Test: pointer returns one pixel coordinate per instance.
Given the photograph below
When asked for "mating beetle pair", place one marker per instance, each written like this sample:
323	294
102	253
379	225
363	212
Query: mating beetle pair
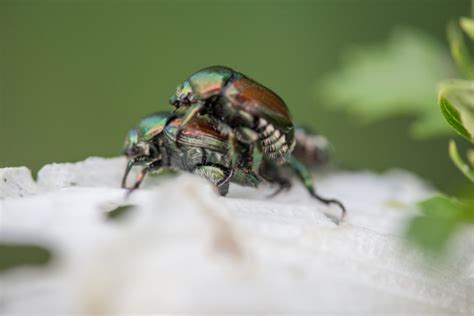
226	116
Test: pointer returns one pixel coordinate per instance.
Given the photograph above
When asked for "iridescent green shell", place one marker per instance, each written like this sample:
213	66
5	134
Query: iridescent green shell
131	139
152	125
209	81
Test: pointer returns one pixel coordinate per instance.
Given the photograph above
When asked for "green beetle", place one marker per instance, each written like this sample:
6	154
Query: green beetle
241	108
201	149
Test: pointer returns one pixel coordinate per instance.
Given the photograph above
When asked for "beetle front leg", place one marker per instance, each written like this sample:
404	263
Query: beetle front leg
153	166
226	130
139	179
246	135
190	113
127	171
232	149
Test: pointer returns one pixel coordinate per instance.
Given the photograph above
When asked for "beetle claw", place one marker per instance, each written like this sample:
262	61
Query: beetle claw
331	201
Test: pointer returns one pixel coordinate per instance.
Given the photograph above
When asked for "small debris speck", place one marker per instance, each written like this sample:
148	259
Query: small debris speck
118	212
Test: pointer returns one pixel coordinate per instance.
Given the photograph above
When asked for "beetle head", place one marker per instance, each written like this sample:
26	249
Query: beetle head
135	149
184	96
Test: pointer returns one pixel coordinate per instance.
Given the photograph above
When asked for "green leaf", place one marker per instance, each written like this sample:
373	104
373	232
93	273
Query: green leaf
470	157
452	116
430	233
393	78
467	24
467	170
459	50
442	206
456	100
17	254
441	216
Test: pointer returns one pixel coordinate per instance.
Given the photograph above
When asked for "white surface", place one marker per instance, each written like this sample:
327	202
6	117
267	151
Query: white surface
184	249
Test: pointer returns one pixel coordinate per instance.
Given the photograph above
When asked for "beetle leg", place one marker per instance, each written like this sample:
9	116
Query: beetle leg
227	176
127	171
216	175
246	178
272	174
192	111
226	130
138	180
282	186
153	166
247	118
246	135
305	176
232	149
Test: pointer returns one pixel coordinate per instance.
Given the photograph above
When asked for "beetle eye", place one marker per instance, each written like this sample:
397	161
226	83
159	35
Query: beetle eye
187	98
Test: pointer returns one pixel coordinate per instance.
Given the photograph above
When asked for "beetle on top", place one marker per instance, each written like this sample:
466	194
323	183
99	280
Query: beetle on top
242	109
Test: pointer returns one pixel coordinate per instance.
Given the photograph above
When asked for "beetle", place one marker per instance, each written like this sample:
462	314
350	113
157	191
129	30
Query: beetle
199	149
203	150
244	110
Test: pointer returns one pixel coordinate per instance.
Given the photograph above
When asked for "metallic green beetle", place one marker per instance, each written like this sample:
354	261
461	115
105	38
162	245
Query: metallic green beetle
203	150
199	149
241	108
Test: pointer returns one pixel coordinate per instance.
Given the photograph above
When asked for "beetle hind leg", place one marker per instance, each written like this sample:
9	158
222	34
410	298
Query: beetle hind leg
273	142
270	172
305	176
217	175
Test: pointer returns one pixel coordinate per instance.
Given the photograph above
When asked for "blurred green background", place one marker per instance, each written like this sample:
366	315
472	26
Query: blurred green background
75	75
